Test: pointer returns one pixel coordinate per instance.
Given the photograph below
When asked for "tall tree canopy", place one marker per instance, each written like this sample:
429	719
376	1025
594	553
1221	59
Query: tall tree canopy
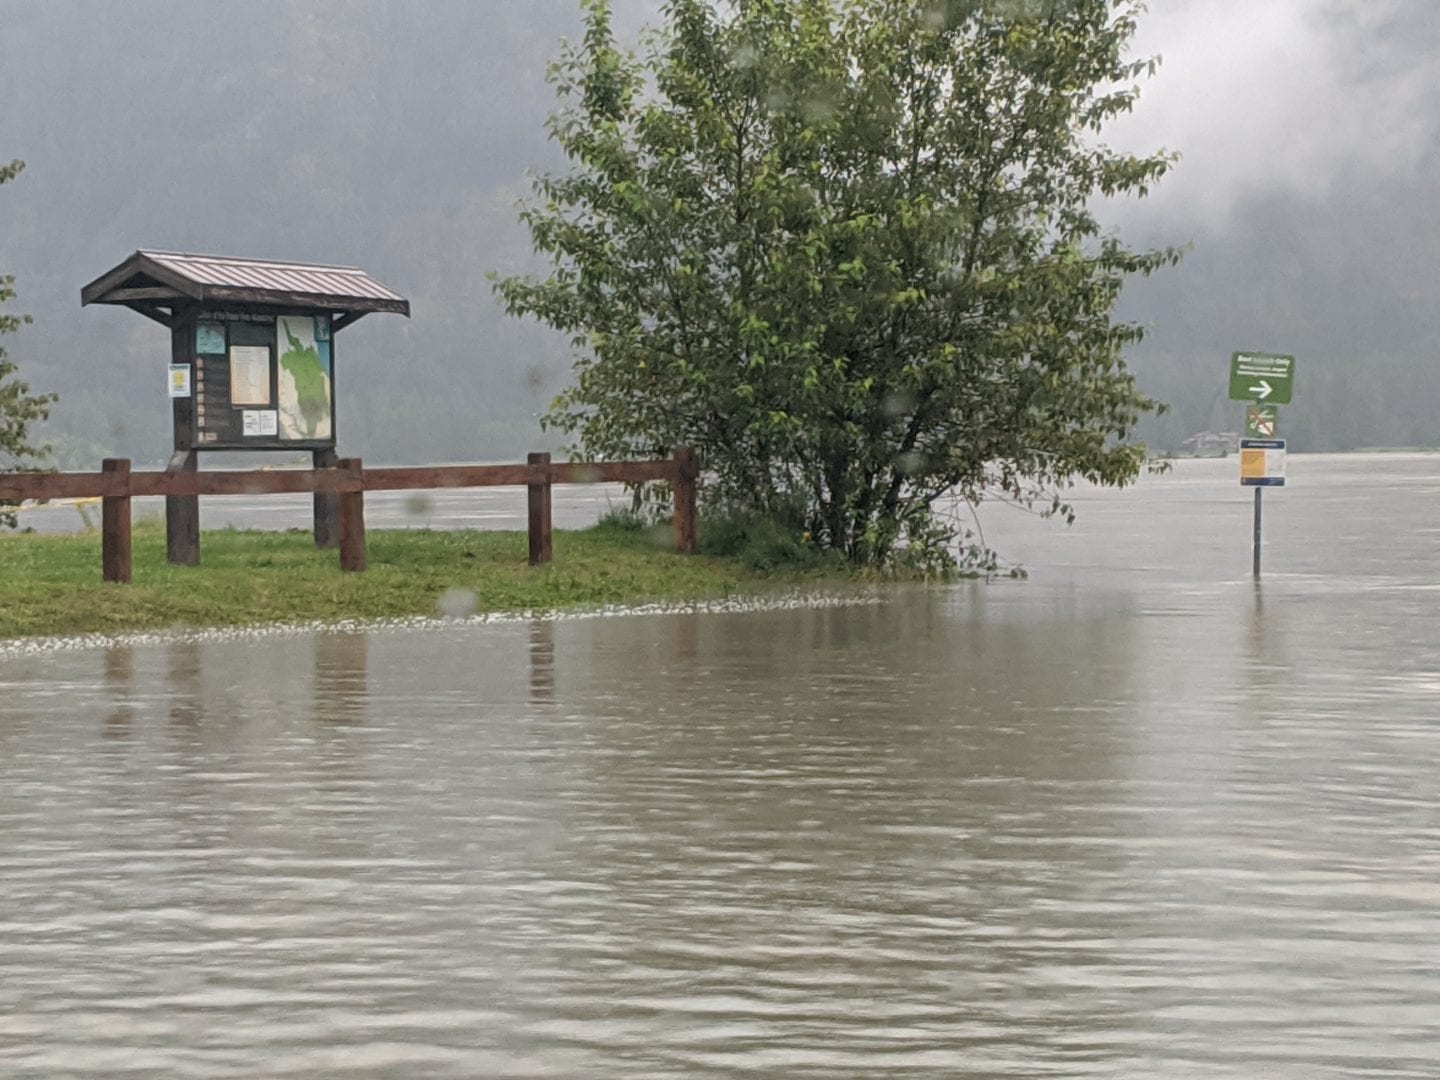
18	407
848	250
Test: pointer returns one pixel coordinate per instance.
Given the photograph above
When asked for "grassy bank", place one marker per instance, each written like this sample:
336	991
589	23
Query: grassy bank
51	584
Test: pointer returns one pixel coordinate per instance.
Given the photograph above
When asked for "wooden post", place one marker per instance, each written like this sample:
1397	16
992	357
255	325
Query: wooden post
182	512
327	504
352	518
182	515
687	471
115	523
539	487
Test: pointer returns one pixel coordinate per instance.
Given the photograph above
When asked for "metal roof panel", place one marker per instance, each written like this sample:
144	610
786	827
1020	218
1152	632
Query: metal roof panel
320	279
219	278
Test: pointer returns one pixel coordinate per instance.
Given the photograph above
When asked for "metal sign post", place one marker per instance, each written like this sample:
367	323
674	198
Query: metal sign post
1265	380
1256	558
1262	465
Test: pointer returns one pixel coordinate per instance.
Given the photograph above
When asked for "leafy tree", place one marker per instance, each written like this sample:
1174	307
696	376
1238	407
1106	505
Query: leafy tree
848	250
18	407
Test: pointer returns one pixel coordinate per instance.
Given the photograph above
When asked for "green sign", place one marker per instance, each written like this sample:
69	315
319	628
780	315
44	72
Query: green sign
1261	421
1267	377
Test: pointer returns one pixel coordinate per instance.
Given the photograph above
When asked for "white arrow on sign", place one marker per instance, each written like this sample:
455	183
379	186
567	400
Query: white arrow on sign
1262	391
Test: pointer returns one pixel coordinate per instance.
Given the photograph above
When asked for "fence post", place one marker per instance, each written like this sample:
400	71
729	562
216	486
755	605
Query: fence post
352	518
327	504
182	515
539	491
115	522
687	471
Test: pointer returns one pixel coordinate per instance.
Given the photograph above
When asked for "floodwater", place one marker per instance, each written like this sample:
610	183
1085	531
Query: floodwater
1132	817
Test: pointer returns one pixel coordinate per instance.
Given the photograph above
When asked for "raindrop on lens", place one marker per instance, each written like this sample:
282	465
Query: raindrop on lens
911	463
457	603
897	404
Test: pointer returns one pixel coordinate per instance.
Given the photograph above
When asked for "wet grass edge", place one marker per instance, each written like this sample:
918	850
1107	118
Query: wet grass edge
50	585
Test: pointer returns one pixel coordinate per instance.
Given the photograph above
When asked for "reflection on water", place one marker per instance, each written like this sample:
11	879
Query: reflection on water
542	662
1109	822
183	694
119	670
342	682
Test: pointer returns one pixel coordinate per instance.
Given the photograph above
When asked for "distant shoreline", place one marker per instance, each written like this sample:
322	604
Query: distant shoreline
1185	455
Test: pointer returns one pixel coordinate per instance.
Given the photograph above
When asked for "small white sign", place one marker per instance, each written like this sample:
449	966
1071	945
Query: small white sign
260	422
179	380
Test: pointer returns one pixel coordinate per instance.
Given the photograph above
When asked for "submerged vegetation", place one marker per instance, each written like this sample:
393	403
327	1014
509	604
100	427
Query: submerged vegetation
50	585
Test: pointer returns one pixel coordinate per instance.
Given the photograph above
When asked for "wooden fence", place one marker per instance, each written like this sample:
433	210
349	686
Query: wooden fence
115	485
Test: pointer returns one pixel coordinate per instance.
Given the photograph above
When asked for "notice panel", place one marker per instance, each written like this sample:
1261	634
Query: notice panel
1262	462
179	380
1261	421
259	422
249	375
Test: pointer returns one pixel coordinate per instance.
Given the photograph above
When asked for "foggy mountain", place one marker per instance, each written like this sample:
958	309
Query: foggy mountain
1309	133
374	133
396	137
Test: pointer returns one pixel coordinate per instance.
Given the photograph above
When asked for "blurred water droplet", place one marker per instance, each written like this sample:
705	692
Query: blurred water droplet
418	504
745	55
457	603
817	108
897	404
935	16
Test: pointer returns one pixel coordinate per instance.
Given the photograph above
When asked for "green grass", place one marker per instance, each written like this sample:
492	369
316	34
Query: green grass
50	585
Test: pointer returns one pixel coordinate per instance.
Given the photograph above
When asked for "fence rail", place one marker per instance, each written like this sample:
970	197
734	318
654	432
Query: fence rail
115	485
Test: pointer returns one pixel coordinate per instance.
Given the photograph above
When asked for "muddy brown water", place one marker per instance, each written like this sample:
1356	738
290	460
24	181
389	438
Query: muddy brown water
1131	817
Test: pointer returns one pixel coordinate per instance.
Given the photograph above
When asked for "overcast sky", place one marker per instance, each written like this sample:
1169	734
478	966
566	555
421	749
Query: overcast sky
1288	94
397	135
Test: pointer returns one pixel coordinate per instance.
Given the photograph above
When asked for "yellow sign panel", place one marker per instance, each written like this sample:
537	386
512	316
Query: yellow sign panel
179	380
1262	462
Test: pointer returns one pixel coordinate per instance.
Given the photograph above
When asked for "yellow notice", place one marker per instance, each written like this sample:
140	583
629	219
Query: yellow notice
1252	464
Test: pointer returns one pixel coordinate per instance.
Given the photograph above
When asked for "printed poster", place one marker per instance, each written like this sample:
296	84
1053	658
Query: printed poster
304	384
210	339
258	422
179	380
249	375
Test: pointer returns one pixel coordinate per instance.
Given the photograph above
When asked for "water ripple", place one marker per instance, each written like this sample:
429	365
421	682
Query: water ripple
967	832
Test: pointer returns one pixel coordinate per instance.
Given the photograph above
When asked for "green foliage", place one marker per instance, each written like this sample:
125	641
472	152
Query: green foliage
18	407
624	519
847	250
765	543
638	523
